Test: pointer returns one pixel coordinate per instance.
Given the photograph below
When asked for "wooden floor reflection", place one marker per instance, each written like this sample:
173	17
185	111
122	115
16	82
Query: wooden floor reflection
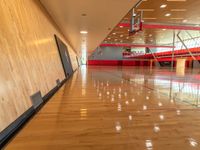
115	108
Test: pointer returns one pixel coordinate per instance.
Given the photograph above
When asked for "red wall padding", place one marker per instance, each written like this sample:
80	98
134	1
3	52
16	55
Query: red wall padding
168	53
126	63
147	56
129	63
118	63
104	62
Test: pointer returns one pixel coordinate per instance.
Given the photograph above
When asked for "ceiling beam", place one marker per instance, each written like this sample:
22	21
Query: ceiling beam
135	45
164	26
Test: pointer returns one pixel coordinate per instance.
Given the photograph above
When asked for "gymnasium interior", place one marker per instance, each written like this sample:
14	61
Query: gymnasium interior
100	75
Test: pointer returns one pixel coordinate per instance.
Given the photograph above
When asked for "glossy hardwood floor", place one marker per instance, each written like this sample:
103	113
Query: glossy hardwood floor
114	108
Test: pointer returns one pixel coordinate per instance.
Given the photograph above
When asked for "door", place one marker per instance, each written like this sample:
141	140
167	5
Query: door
65	59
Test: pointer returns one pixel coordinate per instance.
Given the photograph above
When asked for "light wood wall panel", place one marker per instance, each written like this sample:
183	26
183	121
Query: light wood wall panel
29	59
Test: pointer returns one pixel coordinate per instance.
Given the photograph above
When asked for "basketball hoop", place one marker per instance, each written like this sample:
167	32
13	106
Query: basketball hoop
136	22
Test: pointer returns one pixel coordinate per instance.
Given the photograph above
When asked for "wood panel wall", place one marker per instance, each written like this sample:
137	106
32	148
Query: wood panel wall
29	59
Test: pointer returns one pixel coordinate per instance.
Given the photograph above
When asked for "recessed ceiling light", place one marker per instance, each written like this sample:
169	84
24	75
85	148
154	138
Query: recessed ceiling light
134	14
121	35
145	9
149	144
168	14
185	20
121	26
178	10
163	29
149	18
177	18
83	32
163	6
114	33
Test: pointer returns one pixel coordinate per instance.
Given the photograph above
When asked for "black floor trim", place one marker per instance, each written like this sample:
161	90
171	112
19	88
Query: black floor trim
7	134
14	127
53	91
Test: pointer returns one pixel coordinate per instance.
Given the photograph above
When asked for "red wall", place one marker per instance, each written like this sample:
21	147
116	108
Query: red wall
125	63
147	56
118	63
168	54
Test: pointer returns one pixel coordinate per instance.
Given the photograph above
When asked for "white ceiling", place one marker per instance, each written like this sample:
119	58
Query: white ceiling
101	15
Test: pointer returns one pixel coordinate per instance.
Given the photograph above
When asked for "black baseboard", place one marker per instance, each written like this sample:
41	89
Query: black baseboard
14	127
7	134
53	91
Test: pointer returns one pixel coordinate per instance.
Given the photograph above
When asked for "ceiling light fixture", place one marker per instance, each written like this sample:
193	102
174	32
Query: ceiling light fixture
168	14
177	10
145	9
163	6
185	20
149	18
84	32
176	18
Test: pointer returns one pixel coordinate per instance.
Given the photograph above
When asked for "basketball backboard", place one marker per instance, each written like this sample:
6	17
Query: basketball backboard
136	22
